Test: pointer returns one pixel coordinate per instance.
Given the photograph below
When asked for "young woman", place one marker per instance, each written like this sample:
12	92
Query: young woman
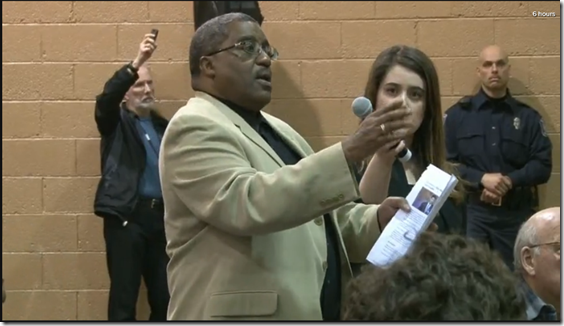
405	73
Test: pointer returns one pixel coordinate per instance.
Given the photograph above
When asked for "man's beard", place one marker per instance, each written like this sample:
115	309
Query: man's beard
147	104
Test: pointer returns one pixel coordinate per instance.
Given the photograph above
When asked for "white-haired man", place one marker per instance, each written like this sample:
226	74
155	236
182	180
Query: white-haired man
537	260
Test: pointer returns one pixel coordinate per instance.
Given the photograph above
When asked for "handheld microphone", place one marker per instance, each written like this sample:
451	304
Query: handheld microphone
362	107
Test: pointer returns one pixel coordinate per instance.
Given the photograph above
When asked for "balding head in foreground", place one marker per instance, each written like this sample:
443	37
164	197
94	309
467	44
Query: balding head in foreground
537	255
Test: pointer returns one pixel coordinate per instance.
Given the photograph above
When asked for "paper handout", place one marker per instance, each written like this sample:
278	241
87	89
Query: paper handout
426	199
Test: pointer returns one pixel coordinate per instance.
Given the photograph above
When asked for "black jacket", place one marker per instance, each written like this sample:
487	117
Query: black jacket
122	151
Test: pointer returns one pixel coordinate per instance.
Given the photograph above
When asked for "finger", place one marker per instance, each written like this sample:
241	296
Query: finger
400	147
496	192
398	203
502	188
388	108
149	41
395	129
400	113
152	44
506	182
393	137
148	48
390	145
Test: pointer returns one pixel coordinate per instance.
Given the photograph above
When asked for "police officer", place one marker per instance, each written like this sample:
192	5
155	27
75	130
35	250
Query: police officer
503	152
129	196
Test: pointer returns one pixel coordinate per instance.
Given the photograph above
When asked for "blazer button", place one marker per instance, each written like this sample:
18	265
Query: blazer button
318	221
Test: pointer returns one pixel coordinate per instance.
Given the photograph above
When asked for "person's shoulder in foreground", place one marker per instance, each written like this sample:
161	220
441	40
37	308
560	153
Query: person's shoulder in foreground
443	277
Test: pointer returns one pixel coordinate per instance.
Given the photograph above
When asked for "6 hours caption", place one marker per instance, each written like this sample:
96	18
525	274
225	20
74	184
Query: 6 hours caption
543	14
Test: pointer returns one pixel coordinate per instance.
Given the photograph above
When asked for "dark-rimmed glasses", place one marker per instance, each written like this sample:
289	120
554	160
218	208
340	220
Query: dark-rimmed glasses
251	48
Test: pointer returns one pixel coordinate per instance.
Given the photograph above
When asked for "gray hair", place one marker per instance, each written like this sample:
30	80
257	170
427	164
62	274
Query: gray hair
526	237
210	35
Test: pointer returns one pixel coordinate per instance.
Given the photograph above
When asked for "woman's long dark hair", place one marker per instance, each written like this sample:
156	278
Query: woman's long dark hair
429	139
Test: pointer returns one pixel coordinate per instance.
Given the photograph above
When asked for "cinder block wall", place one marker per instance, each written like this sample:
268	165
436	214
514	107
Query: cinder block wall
57	55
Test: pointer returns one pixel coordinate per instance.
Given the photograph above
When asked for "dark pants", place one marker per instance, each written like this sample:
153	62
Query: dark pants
496	226
134	251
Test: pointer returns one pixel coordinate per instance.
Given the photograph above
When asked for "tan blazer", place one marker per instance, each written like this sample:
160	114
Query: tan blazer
245	232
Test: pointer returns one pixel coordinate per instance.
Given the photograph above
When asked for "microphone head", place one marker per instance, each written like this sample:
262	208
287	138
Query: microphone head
361	107
405	155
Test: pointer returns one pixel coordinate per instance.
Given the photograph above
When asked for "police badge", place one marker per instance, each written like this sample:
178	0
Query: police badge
516	123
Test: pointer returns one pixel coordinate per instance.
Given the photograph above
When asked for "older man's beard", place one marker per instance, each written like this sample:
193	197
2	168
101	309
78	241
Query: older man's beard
147	104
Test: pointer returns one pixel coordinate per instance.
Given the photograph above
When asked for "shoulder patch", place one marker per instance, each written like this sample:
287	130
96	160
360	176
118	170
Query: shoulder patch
543	128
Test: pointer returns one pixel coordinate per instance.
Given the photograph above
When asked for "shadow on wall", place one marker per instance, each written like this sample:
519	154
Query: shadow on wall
289	105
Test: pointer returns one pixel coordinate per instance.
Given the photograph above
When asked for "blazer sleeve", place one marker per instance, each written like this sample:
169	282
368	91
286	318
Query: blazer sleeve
359	228
204	164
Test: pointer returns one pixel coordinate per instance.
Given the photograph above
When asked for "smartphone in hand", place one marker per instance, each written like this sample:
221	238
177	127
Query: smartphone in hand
155	32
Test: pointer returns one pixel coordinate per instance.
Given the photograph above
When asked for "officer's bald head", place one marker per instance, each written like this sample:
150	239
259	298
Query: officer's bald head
492	52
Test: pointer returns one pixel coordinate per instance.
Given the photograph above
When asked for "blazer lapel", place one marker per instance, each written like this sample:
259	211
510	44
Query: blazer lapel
247	130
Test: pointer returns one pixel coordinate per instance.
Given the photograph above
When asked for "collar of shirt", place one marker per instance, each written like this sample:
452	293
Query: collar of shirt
254	119
535	305
482	98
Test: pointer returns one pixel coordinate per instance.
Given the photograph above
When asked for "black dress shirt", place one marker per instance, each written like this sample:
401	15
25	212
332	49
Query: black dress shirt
331	292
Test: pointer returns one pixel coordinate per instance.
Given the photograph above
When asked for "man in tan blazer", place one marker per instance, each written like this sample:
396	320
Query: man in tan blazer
251	234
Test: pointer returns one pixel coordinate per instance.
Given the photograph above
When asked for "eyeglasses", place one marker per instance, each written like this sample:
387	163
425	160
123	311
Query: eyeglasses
554	245
253	49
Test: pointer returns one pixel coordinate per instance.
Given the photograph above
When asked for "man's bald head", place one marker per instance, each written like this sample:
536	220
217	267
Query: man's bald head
537	254
546	221
492	51
542	226
493	70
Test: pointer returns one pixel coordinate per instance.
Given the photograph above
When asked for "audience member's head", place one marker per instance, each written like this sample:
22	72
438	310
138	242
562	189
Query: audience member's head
537	255
230	58
443	277
402	69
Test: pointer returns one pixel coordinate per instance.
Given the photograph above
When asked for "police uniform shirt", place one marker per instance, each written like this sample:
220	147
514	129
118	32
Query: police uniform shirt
506	136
